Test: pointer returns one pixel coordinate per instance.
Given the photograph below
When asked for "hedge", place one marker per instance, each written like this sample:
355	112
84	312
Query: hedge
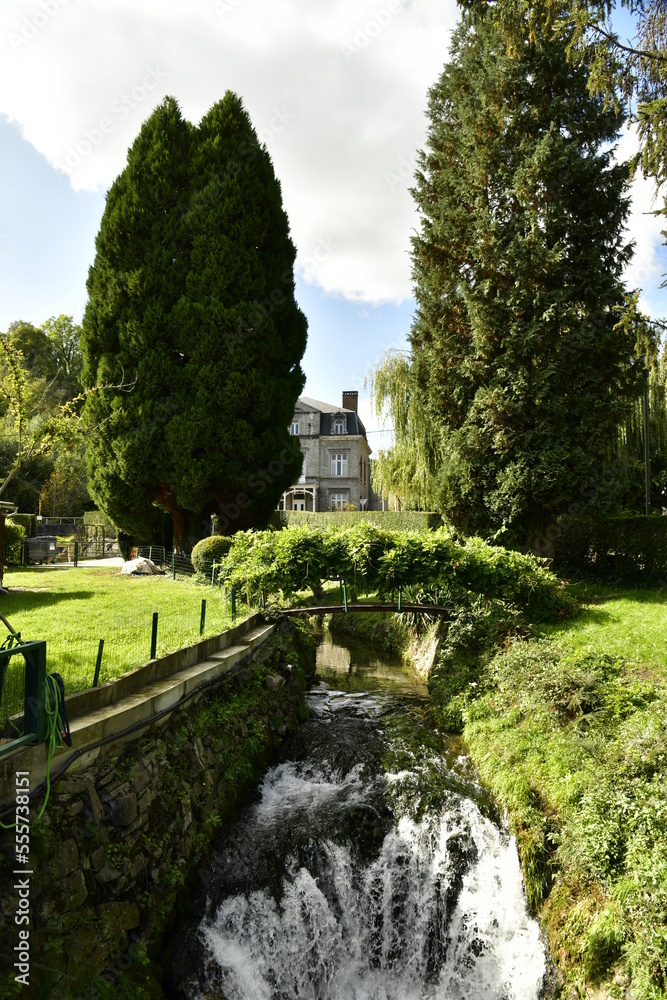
14	537
395	520
210	550
28	522
628	549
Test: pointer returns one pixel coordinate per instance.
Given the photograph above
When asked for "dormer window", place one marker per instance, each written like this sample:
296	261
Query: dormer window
338	426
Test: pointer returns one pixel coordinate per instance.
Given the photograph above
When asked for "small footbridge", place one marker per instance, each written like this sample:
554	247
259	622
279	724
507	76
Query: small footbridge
349	608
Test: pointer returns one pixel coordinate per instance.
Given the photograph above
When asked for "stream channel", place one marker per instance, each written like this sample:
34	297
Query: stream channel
370	866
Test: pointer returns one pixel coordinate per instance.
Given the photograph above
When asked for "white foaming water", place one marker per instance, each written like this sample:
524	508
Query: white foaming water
438	914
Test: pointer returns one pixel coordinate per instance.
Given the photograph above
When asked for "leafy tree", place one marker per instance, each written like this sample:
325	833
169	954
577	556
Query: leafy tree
191	299
36	350
65	492
40	395
65	338
406	469
517	352
633	73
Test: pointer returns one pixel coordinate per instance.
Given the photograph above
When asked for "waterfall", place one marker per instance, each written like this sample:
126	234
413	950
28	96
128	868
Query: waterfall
364	872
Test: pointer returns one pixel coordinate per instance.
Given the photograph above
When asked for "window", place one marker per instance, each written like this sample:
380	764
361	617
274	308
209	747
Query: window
339	425
294	427
339	465
338	501
361	470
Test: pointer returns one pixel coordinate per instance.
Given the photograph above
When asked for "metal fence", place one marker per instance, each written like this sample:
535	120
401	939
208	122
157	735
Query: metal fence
131	640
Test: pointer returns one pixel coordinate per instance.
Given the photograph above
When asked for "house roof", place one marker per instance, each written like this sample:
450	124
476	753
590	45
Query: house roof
354	422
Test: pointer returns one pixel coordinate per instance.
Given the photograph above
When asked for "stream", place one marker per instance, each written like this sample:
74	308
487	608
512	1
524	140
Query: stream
371	865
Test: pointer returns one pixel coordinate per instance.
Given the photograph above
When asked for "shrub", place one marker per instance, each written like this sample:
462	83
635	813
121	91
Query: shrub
14	537
28	521
208	551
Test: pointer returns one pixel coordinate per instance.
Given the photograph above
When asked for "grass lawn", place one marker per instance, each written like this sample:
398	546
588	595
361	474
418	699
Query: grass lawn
627	623
74	608
569	730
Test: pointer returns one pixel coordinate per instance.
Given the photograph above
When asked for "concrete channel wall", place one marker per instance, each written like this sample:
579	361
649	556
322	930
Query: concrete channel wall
125	831
100	712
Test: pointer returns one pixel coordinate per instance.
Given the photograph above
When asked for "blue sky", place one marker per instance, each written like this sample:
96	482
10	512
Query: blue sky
338	93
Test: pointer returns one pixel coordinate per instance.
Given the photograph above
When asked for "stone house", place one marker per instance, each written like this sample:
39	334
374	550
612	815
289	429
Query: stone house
336	462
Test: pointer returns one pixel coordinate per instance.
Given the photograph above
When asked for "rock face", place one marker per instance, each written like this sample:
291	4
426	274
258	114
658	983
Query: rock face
118	840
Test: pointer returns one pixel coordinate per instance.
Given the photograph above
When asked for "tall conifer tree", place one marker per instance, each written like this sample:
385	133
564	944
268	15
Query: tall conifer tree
517	271
191	308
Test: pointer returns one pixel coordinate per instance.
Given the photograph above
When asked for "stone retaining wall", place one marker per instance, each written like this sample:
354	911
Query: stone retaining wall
118	841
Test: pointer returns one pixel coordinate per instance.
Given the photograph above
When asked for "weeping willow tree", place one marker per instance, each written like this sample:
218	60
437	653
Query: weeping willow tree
627	456
406	469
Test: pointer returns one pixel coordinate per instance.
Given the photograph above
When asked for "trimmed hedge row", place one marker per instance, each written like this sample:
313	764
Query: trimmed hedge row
629	549
373	560
397	520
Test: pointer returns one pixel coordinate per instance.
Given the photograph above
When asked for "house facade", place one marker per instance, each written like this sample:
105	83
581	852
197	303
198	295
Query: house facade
336	457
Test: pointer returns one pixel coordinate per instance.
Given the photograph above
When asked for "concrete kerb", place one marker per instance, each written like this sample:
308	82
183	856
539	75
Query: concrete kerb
102	712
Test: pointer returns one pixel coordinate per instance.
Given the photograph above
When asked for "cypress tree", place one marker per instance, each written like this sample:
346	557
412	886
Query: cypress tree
192	330
517	267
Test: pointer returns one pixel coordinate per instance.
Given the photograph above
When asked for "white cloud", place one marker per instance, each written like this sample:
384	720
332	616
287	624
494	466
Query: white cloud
337	90
650	259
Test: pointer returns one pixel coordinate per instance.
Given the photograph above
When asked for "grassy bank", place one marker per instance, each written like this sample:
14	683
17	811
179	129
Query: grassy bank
568	728
74	608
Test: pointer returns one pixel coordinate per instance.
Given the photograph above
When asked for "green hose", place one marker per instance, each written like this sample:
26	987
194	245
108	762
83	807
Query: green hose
53	739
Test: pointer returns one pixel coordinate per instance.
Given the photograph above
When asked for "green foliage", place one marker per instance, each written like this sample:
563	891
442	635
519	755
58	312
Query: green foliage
38	410
399	520
208	551
469	639
629	549
630	72
28	523
373	560
192	318
517	353
407	469
574	745
98	518
14	537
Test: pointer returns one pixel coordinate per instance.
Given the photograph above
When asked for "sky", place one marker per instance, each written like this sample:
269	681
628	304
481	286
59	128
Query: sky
336	90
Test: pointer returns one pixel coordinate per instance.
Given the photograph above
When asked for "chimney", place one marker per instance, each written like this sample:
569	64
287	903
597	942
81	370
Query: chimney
350	400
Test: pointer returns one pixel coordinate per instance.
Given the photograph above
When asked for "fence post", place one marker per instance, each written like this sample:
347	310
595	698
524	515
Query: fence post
233	604
345	596
96	678
154	636
76	554
150	551
173	565
202	617
399	598
340	580
213	574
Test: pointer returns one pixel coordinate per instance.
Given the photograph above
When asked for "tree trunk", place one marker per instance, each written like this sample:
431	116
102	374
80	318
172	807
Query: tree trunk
543	535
